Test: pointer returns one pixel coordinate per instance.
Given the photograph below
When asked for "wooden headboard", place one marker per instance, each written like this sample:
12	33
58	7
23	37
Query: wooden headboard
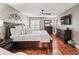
8	33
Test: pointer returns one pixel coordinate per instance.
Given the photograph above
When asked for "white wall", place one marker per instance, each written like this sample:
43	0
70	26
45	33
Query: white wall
75	22
5	11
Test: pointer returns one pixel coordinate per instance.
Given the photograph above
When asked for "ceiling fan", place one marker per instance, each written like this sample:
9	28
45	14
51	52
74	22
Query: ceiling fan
45	13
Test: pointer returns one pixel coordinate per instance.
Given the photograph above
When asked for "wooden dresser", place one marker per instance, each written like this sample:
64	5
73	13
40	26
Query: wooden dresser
64	35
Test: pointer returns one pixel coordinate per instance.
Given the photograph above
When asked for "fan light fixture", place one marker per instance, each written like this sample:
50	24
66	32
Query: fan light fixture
45	13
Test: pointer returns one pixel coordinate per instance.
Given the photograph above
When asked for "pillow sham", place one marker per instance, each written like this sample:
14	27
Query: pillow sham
12	30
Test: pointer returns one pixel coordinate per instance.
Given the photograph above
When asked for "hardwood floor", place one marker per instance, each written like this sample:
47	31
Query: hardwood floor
64	49
36	51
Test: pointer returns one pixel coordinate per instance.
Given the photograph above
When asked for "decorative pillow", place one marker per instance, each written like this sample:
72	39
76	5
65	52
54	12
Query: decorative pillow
23	29
12	31
29	31
18	30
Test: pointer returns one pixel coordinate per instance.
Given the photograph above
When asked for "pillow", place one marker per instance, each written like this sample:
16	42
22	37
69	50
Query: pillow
12	30
29	31
24	29
18	30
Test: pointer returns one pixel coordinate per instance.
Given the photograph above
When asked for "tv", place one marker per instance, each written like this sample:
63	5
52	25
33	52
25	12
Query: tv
66	20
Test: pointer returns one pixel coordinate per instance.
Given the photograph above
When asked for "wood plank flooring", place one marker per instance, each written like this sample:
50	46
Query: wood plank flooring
65	49
36	51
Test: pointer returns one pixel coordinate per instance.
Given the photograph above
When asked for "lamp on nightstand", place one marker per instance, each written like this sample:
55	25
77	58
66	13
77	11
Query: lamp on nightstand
1	22
2	29
52	24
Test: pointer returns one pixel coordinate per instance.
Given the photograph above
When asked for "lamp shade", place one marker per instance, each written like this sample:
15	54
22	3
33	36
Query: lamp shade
1	22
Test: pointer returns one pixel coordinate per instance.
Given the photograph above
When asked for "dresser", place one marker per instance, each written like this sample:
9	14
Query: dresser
64	35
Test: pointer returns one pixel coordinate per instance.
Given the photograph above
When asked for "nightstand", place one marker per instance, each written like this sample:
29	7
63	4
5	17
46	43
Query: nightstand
6	43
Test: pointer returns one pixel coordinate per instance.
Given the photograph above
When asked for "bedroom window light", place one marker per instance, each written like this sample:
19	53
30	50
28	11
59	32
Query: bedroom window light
1	22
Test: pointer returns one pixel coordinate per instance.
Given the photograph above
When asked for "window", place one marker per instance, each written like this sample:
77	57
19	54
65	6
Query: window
35	24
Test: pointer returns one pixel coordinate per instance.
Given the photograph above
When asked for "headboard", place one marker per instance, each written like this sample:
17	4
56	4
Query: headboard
8	33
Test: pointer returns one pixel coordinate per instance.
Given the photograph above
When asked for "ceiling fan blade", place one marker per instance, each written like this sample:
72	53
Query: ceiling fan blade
47	13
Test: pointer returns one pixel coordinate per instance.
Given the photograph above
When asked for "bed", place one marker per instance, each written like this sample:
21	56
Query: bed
37	39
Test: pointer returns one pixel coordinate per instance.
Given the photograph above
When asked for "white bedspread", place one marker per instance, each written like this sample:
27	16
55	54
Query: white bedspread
41	36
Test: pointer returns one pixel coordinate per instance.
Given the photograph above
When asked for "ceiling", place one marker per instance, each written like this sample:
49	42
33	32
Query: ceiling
34	9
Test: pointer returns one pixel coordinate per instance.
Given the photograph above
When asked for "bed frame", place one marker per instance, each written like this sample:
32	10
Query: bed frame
32	44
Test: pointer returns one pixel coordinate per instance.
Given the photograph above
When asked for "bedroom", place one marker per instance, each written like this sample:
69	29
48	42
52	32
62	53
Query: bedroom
29	30
20	33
